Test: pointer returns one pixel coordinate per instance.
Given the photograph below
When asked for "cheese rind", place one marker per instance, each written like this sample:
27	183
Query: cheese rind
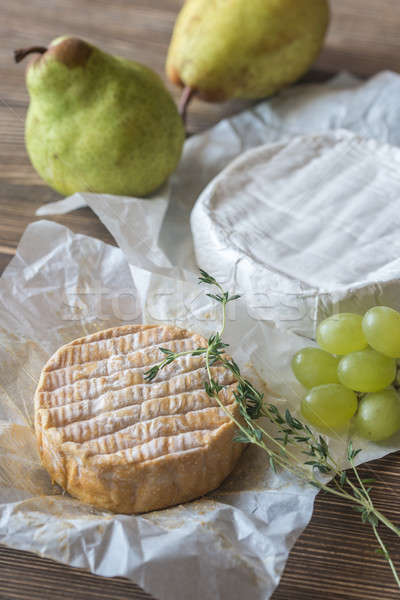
114	440
304	228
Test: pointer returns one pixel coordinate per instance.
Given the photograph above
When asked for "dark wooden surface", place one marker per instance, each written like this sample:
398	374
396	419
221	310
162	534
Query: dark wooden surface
334	557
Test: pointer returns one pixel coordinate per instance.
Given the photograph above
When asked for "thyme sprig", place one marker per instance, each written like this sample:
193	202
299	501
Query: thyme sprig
290	433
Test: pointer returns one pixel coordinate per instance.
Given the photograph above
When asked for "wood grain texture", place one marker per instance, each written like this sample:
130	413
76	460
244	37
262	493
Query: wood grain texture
334	557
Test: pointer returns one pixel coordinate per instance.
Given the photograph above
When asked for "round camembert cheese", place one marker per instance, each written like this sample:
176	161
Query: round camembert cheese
116	441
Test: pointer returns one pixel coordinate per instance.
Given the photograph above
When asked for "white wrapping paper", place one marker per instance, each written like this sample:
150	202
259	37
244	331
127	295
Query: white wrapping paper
234	542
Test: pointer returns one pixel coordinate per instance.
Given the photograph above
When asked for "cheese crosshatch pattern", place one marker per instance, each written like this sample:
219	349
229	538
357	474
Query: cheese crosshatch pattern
116	441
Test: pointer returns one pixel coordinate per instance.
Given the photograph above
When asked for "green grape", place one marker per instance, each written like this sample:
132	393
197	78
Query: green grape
366	371
329	406
341	334
313	366
381	327
378	416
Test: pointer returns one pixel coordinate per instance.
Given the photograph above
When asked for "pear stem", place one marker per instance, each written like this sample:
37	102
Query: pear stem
22	52
187	95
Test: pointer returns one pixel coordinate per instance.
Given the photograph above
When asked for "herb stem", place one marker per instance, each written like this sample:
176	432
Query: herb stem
386	522
386	555
224	301
186	352
361	484
221	404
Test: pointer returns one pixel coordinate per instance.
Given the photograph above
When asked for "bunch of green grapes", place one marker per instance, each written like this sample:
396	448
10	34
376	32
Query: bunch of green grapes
354	373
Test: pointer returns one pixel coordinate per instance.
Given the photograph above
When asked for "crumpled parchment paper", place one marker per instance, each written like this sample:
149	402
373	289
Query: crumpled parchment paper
234	542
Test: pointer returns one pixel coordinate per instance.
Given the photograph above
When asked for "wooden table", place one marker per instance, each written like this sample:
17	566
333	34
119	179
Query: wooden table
334	557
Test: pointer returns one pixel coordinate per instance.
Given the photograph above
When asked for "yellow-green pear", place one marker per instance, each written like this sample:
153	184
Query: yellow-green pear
223	49
97	122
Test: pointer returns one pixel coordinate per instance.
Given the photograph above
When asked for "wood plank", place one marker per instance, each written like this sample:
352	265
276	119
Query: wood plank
363	37
24	575
17	214
5	258
334	556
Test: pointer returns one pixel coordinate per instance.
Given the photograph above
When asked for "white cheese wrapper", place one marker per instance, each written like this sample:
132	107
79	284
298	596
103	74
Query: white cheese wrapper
233	543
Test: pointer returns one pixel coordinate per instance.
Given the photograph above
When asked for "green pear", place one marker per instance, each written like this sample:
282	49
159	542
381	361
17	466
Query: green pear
97	122
223	49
